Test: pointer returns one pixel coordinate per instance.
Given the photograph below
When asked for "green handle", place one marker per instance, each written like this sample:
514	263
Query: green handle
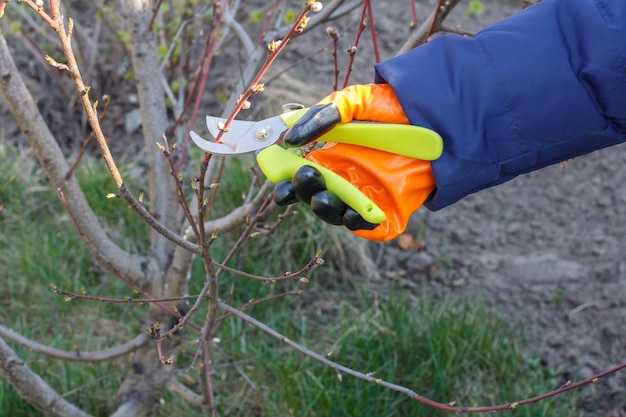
408	140
279	164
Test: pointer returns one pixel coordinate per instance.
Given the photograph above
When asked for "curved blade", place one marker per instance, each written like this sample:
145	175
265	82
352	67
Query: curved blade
212	147
241	137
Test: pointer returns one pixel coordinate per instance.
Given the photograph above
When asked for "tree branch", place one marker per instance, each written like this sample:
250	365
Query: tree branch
146	67
185	393
32	388
428	27
50	157
237	217
77	356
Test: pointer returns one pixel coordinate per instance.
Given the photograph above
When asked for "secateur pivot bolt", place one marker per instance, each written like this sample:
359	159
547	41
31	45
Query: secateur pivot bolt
263	133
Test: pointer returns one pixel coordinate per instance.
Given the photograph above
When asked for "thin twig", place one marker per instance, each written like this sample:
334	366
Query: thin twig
300	61
370	18
42	13
215	26
178	181
243	36
245	235
255	87
185	393
120	274
414	21
404	390
430	26
332	32
439	7
362	23
256	302
127	300
209	383
316	261
155	12
267	21
455	31
107	101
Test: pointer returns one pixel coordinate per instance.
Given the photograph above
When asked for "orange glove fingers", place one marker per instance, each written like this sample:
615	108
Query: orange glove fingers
397	184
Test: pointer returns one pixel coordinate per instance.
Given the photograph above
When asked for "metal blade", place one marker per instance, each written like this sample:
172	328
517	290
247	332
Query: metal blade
244	136
237	128
212	147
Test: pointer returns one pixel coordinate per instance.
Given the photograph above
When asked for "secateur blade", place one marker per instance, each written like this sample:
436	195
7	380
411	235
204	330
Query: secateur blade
213	147
236	129
241	137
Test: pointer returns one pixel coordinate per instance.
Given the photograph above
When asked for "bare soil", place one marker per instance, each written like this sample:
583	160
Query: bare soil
547	248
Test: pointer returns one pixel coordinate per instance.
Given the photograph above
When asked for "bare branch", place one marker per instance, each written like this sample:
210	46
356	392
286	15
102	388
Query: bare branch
237	217
77	356
333	10
428	27
131	408
407	391
32	388
185	393
239	30
146	67
49	155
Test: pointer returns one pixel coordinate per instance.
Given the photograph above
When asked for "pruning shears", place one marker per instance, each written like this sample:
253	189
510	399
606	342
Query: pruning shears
279	164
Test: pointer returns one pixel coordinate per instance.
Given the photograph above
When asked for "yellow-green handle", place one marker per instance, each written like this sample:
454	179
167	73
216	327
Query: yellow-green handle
279	164
408	140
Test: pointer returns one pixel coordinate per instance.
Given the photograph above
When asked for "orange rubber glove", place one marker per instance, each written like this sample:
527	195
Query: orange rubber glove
397	184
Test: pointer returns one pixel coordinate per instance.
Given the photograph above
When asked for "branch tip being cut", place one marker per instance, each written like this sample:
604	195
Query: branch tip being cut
3	4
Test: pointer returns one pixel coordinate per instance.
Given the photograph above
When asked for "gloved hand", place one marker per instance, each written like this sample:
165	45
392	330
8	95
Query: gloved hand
397	184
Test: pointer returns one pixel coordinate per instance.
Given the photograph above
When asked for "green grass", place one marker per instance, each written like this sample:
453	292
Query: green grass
39	246
447	350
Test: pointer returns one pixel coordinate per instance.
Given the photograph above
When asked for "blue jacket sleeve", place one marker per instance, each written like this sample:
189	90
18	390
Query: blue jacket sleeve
537	88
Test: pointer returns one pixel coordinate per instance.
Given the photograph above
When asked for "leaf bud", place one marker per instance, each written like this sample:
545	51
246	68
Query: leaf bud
302	25
222	126
332	32
314	6
258	88
273	45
